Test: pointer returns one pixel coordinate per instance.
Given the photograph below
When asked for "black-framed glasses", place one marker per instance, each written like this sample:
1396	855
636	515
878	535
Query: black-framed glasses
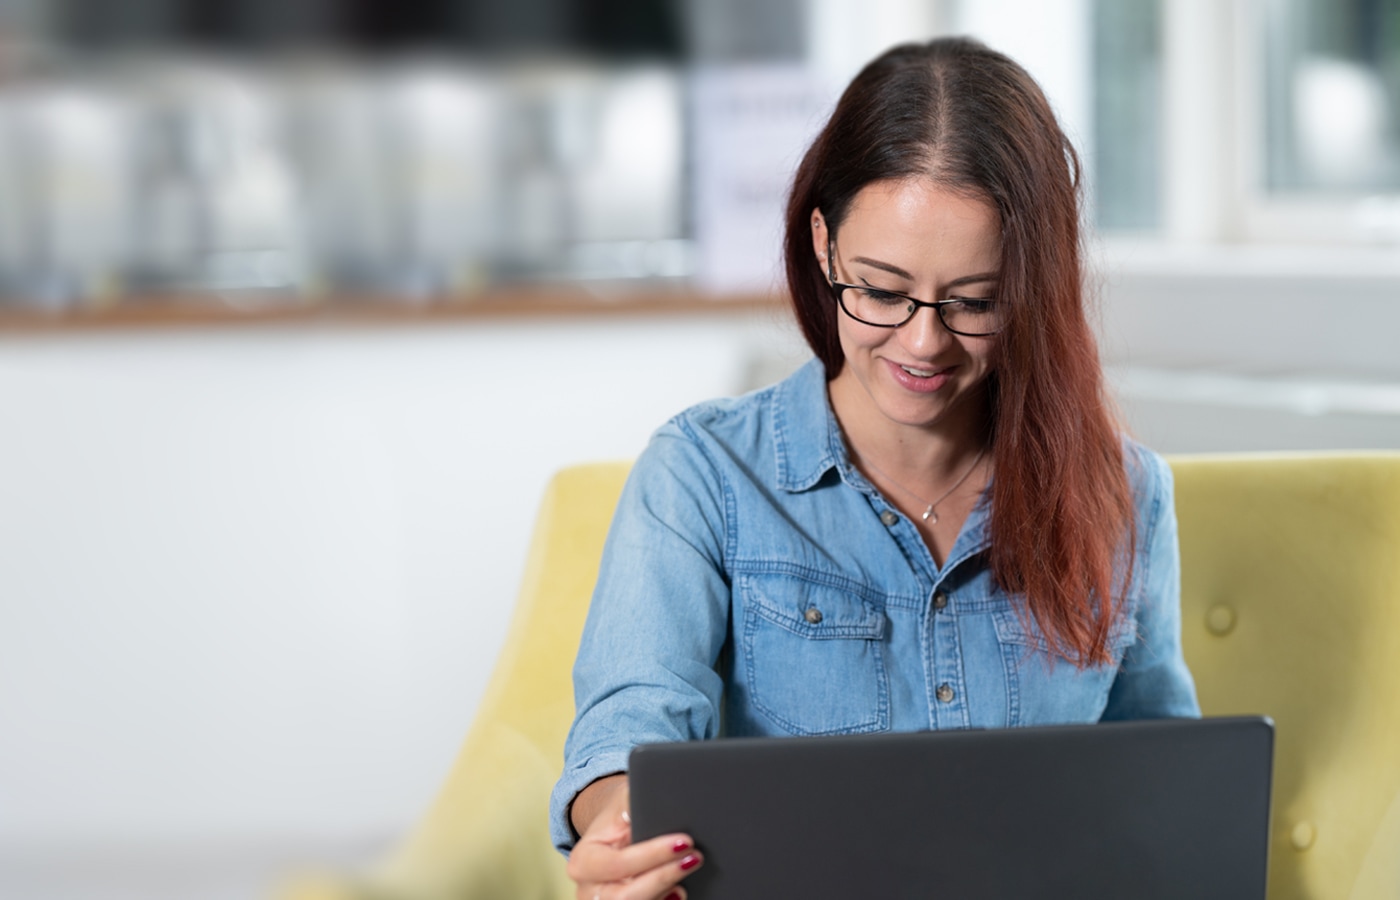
967	316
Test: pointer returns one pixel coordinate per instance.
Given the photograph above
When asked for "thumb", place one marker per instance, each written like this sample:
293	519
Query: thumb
617	831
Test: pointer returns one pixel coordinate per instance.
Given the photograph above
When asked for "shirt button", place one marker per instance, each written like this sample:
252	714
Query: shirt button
812	615
889	517
940	600
944	693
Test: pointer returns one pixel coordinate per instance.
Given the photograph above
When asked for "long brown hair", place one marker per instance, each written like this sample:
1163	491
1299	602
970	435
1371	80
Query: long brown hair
973	120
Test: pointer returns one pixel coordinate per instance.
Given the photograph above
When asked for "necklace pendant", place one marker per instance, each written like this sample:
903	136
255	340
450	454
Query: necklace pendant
929	517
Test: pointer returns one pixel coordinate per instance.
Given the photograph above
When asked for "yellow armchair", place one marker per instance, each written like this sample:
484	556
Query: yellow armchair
1291	605
1291	608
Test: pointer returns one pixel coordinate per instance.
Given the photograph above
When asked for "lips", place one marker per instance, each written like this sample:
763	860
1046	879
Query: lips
919	379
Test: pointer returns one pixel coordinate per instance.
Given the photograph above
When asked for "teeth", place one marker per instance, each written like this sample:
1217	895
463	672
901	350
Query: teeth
920	373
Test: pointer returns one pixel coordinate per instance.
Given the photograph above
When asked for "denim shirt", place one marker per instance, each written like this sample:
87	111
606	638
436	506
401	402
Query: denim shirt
755	583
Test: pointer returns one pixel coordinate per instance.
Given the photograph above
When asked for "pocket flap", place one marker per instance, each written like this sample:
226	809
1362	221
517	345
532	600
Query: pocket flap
1012	630
813	610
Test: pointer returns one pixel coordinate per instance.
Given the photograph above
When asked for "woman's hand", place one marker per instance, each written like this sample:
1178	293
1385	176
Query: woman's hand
606	865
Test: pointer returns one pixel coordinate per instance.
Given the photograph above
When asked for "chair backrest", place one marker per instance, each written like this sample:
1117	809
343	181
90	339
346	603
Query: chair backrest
1291	609
487	836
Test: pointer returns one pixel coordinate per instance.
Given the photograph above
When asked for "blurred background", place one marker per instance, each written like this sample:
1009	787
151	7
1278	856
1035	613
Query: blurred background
301	302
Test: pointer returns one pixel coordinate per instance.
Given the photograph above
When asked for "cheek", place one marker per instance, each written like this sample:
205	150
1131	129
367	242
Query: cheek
993	354
848	341
987	353
855	338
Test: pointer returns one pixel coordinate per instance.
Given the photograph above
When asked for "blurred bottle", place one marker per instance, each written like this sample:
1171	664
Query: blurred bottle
400	175
187	177
217	210
595	169
65	195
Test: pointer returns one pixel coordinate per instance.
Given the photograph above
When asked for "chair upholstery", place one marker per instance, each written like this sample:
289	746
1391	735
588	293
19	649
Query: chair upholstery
1291	605
1291	608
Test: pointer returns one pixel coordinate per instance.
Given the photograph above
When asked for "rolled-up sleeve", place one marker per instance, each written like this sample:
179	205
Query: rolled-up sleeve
1154	681
658	619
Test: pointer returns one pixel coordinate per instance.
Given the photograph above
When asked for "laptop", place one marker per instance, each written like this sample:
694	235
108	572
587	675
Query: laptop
1167	808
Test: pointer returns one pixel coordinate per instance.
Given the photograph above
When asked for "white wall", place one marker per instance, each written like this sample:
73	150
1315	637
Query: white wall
254	579
1219	348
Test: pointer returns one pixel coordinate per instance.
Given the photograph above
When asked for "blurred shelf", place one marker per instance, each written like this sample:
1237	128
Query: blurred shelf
584	301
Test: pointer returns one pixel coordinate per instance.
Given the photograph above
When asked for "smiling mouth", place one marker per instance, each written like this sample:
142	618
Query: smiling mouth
920	373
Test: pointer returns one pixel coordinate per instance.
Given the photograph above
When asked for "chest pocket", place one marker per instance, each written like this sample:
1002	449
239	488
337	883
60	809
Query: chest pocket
813	656
1041	688
1013	632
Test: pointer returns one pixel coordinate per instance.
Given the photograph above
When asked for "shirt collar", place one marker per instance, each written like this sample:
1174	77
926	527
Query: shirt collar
806	439
807	443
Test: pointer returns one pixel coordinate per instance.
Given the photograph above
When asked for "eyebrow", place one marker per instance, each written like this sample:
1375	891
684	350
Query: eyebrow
883	266
897	271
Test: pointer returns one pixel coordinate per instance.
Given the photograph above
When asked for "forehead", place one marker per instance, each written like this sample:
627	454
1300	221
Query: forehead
917	217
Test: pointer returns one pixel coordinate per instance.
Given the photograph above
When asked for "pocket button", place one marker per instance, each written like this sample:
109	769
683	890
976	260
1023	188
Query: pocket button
812	615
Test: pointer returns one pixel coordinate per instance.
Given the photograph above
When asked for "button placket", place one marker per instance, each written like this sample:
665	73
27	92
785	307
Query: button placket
945	677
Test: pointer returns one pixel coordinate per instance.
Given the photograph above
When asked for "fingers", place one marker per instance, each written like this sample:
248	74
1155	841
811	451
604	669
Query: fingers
616	831
676	893
606	865
646	871
660	882
602	861
656	884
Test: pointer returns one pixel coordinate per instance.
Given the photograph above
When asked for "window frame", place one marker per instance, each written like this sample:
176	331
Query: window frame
1214	179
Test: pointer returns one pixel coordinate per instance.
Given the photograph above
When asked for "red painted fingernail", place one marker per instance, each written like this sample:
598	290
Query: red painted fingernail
690	862
680	847
674	895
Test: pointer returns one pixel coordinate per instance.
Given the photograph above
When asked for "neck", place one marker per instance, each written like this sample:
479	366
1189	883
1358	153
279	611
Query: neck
927	453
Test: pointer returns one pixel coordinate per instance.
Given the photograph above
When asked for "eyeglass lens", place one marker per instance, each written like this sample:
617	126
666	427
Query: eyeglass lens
965	316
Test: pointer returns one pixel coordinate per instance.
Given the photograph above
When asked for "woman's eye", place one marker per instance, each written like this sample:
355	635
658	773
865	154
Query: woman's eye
883	297
974	305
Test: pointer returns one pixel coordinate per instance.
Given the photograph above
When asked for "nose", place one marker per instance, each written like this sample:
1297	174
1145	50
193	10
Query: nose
925	335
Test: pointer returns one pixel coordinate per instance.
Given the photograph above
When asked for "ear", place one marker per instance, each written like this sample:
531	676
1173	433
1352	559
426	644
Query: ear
820	238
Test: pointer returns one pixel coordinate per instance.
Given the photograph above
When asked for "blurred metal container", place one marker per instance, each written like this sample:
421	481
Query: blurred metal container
189	176
400	174
66	200
595	169
217	207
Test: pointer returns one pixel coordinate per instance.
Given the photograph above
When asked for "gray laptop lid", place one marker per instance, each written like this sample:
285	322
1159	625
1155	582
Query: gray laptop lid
1171	808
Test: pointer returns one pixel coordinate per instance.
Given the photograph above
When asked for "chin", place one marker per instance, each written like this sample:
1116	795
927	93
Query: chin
922	417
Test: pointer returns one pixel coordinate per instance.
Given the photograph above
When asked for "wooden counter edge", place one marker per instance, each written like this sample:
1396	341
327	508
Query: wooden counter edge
504	304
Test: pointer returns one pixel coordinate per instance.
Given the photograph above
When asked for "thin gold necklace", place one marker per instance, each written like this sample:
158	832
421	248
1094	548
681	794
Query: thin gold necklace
929	515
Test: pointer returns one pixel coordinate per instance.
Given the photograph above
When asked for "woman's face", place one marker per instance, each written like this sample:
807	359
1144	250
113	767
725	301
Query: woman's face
913	237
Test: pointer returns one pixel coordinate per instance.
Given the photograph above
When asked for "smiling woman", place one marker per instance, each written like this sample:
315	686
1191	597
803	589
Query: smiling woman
907	376
987	181
934	524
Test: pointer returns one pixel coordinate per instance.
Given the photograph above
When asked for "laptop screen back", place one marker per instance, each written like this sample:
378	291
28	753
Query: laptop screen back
1150	809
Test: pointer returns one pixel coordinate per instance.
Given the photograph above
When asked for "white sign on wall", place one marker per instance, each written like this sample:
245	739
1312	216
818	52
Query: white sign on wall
750	127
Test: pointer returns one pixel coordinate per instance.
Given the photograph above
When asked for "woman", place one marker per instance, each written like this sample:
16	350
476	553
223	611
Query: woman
934	524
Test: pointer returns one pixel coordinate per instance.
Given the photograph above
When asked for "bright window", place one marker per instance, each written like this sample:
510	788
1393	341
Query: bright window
1332	96
1248	120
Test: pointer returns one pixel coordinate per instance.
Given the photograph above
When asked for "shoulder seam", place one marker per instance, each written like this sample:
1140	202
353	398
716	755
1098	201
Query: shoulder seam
730	503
